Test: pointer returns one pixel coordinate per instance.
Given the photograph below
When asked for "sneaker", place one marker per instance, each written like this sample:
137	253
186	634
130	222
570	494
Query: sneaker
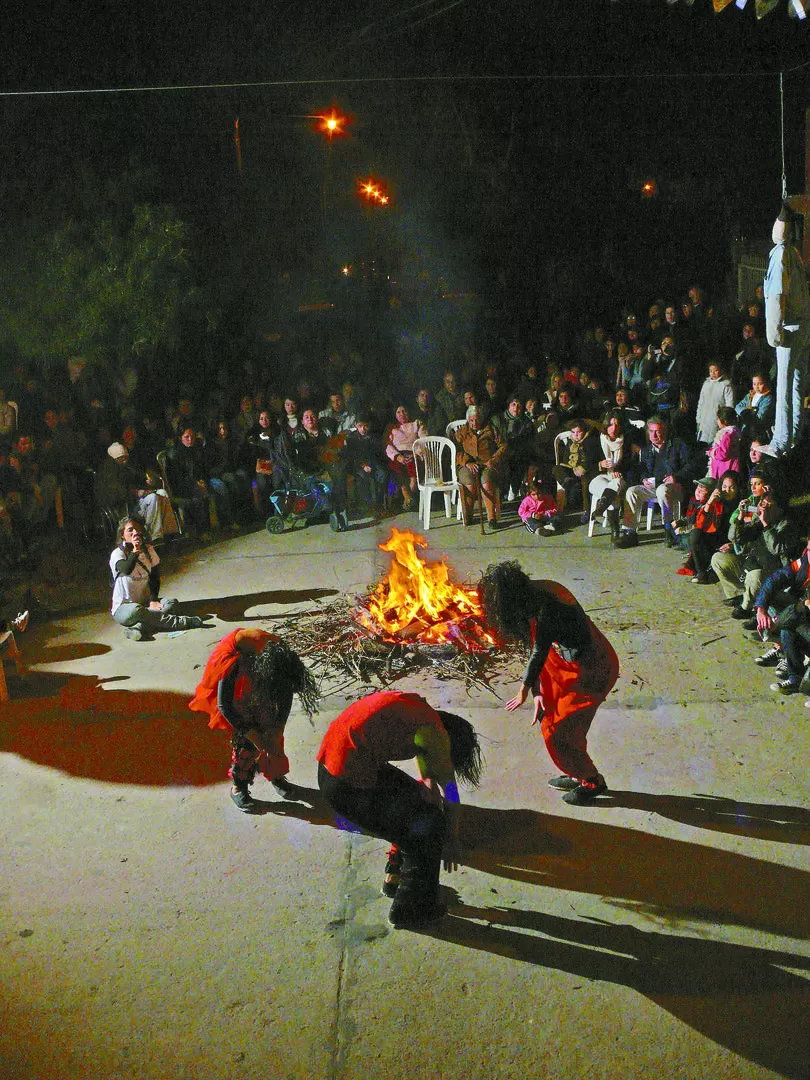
282	786
732	601
194	622
770	657
700	579
244	800
740	613
627	539
549	527
785	686
134	633
586	792
782	670
750	624
415	916
563	783
19	624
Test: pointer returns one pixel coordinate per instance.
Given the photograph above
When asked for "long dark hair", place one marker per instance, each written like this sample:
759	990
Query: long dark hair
465	750
277	668
505	593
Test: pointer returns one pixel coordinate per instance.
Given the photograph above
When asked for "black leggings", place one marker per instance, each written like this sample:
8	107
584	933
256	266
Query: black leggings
395	809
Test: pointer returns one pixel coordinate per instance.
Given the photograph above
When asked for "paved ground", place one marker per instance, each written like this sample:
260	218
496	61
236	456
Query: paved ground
151	931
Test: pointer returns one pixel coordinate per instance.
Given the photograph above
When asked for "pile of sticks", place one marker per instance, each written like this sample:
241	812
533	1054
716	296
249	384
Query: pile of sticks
344	655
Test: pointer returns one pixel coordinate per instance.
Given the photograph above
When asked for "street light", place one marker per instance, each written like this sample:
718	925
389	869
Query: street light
373	191
332	124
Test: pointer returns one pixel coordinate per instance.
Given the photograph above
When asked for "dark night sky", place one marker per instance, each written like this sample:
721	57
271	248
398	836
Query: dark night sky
624	92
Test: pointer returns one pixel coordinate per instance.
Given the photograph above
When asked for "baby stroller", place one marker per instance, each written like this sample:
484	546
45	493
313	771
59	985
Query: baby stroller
308	500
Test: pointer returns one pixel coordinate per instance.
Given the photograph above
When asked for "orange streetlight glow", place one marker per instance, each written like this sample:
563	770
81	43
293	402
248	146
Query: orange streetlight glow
332	124
373	191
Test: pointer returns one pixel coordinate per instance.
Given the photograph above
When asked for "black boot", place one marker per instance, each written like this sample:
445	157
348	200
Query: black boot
603	504
613	523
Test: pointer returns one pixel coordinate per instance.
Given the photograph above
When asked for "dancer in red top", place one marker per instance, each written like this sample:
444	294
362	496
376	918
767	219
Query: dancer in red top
247	688
571	670
358	781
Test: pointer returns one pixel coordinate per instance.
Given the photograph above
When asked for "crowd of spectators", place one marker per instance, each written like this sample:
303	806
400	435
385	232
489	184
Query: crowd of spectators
661	409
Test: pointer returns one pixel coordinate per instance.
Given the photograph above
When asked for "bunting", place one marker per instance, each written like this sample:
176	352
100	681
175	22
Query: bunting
797	9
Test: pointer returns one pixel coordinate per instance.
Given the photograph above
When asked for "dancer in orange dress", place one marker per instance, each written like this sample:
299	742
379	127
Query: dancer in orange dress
247	688
571	670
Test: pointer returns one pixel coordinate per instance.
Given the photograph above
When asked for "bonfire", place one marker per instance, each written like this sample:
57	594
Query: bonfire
415	617
419	601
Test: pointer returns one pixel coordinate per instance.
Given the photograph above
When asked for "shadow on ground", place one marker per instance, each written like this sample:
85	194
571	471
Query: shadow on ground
674	879
78	725
233	608
740	997
761	821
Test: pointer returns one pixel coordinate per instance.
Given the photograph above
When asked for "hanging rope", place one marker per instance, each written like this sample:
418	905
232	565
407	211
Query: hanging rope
782	126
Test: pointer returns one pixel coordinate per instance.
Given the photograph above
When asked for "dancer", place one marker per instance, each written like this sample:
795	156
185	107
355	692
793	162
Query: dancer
571	670
422	820
136	604
247	688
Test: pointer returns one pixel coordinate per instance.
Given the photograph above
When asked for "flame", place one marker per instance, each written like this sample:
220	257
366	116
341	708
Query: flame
417	600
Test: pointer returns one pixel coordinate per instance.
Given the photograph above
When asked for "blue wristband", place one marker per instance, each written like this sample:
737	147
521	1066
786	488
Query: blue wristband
451	792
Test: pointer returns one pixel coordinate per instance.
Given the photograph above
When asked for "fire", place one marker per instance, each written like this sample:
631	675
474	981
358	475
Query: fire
417	600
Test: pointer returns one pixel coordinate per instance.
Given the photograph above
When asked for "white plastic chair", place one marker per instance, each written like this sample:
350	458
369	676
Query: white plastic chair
453	427
430	455
652	506
561	441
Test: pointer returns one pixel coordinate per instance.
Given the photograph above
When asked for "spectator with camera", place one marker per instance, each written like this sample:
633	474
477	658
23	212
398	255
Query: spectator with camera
136	602
764	539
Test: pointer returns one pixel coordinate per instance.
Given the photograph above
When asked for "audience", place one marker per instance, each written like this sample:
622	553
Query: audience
83	446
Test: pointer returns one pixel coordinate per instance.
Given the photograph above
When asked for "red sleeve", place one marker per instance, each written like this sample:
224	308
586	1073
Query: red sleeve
222	659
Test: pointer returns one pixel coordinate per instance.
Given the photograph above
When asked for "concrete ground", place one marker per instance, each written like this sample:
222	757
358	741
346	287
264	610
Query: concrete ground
152	932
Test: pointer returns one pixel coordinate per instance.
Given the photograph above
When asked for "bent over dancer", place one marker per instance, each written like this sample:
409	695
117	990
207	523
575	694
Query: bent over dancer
571	670
422	819
247	688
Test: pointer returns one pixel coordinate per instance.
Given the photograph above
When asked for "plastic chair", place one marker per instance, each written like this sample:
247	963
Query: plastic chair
430	455
652	506
453	427
561	441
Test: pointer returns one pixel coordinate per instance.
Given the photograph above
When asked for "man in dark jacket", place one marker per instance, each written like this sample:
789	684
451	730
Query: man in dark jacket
662	473
789	583
430	413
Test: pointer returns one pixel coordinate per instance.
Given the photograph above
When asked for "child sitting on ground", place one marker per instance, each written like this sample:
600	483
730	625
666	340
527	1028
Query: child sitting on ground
538	511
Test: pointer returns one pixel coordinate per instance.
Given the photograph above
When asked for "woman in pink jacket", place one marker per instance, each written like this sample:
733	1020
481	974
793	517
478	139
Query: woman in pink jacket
399	450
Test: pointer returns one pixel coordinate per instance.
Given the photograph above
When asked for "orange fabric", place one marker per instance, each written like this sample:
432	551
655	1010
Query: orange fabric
572	691
222	659
373	731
